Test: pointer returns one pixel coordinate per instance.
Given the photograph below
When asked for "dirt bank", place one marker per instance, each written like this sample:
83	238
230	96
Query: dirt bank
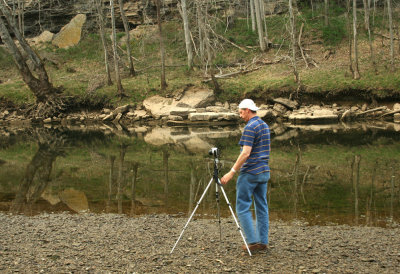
114	243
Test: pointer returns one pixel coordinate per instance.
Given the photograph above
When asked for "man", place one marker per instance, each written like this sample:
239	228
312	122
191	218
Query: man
254	175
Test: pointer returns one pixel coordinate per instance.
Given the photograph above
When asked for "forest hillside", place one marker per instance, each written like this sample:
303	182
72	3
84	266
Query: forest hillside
315	51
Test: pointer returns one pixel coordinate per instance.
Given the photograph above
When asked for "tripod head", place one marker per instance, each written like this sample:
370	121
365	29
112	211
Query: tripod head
214	151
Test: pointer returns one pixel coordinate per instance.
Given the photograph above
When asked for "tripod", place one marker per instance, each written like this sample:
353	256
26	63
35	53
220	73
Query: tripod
218	186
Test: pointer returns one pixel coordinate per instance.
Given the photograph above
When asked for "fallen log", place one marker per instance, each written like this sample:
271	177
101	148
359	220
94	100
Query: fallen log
370	110
390	113
230	74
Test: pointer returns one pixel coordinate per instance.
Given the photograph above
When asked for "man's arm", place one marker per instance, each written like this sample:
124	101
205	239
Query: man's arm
244	155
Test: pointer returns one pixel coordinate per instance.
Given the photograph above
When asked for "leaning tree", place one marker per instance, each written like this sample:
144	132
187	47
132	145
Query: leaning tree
48	99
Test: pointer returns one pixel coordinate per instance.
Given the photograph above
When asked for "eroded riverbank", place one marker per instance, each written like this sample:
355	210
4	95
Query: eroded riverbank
115	243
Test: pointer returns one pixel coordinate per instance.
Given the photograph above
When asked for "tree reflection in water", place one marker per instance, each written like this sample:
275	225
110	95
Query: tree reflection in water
37	174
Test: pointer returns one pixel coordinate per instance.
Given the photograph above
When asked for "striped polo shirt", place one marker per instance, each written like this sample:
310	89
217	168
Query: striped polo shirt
256	134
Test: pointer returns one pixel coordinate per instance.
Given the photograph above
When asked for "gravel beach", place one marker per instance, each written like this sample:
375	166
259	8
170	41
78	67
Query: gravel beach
103	243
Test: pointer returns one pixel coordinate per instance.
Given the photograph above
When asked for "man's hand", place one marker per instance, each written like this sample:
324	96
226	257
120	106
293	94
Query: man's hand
227	177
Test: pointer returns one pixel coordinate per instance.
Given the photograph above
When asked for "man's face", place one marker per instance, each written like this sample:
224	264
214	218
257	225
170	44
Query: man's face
244	114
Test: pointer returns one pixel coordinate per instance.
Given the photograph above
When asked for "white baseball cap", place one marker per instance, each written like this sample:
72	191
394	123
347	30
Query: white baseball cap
248	103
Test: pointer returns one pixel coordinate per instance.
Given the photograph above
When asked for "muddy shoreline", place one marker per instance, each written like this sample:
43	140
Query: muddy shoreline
97	243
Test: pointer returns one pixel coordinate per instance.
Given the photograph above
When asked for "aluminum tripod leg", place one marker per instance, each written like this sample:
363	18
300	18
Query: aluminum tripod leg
191	216
233	215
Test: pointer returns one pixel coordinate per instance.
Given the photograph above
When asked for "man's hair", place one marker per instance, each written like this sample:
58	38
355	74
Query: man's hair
254	112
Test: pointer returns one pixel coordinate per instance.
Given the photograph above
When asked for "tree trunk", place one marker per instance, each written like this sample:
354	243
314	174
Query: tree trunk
326	12
200	27
21	14
368	29
349	37
121	91
162	49
265	22
293	40
99	7
356	70
252	15
128	39
188	42
48	101
389	7
257	6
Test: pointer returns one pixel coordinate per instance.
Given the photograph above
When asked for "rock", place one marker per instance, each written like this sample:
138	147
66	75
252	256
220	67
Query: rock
230	116
175	118
290	104
364	107
141	114
158	105
396	106
182	105
234	107
280	108
397	117
142	30
121	109
265	113
354	108
47	120
75	200
45	36
180	111
197	97
205	116
50	197
316	116
70	34
194	97
216	109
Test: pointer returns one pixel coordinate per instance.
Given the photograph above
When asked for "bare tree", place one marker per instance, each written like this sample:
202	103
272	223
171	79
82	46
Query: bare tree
48	99
260	30
389	7
121	91
349	36
293	35
326	12
252	15
100	20
356	74
128	38
367	4
265	22
21	16
162	48
188	42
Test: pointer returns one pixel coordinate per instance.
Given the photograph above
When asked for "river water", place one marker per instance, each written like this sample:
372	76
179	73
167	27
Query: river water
330	174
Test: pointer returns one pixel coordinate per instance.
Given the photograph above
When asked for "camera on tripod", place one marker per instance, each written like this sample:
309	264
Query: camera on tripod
214	151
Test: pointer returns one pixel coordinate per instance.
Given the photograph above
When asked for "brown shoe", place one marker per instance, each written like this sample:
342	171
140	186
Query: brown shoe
255	246
262	246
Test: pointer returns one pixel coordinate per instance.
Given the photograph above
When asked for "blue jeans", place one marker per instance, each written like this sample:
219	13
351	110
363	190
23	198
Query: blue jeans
249	185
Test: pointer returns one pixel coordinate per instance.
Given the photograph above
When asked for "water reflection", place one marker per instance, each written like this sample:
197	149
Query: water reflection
340	174
37	173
